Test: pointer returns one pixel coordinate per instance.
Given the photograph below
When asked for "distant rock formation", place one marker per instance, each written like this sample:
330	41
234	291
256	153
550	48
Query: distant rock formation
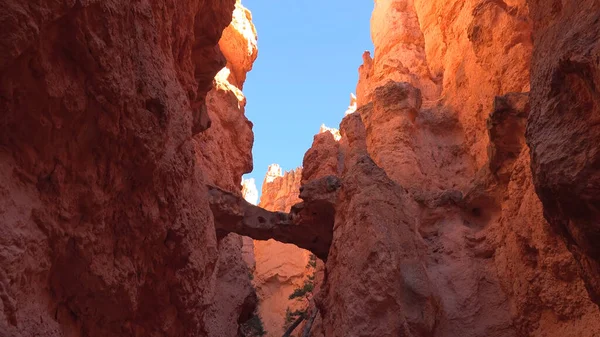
353	105
281	268
249	191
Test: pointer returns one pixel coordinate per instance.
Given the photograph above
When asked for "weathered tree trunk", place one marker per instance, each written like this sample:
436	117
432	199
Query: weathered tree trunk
309	323
289	331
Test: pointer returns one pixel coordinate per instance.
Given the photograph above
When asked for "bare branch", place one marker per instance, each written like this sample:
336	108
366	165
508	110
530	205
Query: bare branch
289	331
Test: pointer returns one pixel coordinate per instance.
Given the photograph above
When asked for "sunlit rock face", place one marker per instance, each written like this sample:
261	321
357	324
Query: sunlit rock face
249	191
399	51
280	267
459	54
479	49
457	189
563	129
239	45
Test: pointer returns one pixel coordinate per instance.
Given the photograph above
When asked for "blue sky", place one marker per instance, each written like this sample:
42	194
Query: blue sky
308	58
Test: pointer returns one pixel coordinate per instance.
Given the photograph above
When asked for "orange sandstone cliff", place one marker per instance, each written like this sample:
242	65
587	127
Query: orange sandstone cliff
450	237
438	229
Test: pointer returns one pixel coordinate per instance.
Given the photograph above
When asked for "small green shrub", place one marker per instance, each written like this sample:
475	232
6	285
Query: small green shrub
304	291
312	261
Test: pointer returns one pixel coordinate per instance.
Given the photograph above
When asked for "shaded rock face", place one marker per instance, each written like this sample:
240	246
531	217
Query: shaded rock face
105	226
309	225
376	283
225	153
563	129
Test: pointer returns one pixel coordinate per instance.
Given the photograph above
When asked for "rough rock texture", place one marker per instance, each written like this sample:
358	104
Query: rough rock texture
420	148
280	267
460	54
280	190
234	299
399	51
250	194
376	283
239	45
433	216
480	265
492	266
105	224
323	158
226	149
563	129
309	225
481	49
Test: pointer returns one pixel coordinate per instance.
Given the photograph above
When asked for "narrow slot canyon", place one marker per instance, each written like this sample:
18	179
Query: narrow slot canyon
458	197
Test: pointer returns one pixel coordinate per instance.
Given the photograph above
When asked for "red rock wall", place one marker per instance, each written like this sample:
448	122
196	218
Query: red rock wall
480	49
224	155
563	130
492	264
280	267
105	226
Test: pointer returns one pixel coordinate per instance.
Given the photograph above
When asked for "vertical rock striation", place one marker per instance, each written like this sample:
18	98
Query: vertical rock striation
399	51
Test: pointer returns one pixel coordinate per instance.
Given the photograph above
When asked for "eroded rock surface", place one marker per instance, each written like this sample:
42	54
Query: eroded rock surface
308	225
399	51
376	283
105	222
224	154
281	268
433	216
490	259
563	130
